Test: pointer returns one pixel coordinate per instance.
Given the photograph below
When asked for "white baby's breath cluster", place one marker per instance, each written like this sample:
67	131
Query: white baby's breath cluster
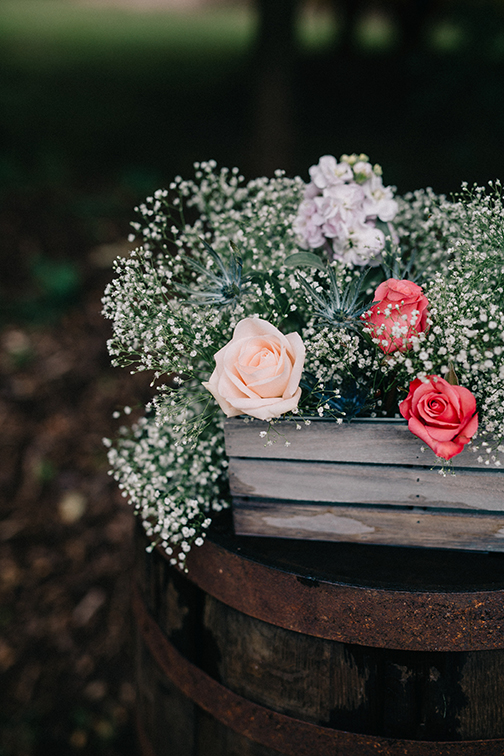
157	327
333	353
174	487
466	297
216	249
219	206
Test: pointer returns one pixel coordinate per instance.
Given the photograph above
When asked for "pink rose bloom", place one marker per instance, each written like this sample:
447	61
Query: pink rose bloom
258	372
400	312
442	415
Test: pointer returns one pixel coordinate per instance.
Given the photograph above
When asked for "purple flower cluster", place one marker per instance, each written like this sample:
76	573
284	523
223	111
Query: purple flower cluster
340	209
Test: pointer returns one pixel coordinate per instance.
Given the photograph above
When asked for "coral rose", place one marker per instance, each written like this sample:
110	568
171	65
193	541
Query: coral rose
442	415
400	312
258	372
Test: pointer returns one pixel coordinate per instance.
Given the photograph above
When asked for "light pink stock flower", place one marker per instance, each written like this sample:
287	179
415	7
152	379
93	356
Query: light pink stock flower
340	210
362	170
257	373
308	224
328	172
346	200
379	200
361	244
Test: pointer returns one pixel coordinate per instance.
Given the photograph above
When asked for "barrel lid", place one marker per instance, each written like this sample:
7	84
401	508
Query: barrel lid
391	597
368	565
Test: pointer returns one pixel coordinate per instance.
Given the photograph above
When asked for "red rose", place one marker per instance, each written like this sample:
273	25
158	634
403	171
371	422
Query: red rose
400	312
442	415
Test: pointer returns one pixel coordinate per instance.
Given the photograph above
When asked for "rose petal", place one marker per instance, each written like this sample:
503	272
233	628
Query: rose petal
443	434
297	351
225	406
266	409
256	350
258	371
233	387
419	429
442	415
269	387
471	427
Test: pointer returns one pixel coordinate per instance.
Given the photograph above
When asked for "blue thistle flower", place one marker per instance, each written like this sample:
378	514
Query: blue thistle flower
347	398
224	286
339	308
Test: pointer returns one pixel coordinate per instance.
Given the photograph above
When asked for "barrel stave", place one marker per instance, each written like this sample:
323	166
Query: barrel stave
416	696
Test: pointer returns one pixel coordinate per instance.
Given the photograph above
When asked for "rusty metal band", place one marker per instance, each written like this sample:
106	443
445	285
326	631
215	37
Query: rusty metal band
382	618
289	736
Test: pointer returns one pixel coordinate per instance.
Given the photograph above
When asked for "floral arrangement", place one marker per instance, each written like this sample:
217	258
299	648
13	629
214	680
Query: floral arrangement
275	298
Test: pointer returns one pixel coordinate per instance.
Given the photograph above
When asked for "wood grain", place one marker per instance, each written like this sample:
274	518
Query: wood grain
392	526
366	484
366	481
374	699
367	441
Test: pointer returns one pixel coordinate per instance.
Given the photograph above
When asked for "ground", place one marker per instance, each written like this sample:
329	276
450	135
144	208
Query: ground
65	537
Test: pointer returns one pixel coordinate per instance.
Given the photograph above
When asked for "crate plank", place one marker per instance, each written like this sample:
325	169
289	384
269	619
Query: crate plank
432	529
367	441
366	481
366	484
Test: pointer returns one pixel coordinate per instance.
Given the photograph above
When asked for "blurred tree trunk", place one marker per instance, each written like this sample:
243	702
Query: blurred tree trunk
412	17
349	12
273	91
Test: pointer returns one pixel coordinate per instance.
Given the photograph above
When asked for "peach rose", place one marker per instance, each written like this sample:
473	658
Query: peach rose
258	372
400	312
442	415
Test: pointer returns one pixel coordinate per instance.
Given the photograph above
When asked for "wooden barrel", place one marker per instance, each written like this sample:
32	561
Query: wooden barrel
272	646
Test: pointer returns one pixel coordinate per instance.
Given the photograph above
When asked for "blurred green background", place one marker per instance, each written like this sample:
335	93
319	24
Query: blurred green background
102	101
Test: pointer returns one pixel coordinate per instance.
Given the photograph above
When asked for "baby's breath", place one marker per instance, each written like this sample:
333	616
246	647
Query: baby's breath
216	249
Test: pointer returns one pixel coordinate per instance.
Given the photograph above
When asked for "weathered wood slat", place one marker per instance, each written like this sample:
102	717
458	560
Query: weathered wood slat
367	441
394	526
366	484
359	482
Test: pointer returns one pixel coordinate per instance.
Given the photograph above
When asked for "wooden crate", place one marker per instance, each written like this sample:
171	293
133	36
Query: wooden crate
366	481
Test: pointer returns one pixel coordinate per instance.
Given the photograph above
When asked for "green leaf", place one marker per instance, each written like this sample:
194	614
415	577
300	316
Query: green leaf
306	259
383	226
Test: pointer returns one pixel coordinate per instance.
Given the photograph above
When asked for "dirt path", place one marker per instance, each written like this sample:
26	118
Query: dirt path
65	541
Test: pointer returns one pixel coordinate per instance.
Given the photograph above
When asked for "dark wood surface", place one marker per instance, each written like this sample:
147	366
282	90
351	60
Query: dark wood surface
360	699
384	567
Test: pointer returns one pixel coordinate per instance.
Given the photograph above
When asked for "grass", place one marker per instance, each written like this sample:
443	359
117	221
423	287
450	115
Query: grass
93	90
100	106
86	89
73	29
29	29
90	89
